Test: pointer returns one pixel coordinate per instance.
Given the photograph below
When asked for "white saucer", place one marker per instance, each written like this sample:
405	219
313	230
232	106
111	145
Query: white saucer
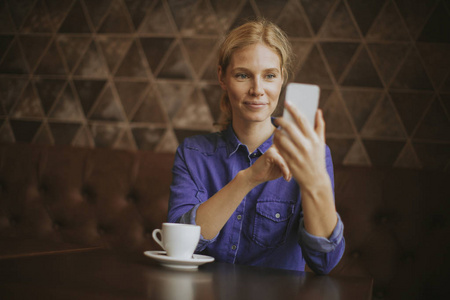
178	263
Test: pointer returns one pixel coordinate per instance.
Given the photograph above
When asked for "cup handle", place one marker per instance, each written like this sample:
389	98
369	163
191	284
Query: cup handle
155	237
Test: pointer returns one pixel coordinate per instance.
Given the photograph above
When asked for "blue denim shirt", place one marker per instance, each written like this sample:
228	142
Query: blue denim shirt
267	228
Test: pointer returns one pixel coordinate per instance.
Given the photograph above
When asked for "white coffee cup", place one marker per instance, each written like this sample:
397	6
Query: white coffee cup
179	240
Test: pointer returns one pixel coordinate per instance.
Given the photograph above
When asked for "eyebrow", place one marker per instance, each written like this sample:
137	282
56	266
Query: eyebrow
240	69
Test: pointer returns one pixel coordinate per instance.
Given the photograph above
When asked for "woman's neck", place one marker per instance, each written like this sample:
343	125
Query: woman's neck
253	134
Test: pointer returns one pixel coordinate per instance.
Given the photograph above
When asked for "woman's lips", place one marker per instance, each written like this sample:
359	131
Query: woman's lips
255	105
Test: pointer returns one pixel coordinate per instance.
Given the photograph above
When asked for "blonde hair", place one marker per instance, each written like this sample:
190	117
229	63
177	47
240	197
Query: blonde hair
259	31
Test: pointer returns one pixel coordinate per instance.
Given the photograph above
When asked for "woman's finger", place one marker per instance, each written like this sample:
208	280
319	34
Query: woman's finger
320	125
300	119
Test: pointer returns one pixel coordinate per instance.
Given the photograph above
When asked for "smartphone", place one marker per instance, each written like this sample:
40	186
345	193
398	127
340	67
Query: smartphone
305	97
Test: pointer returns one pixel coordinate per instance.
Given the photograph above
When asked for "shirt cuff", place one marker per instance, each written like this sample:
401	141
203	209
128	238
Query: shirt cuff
189	218
322	244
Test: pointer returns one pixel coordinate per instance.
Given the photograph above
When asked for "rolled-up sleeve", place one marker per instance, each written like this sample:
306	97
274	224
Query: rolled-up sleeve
185	196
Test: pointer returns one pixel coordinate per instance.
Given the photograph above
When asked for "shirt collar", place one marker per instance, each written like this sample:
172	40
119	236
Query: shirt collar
233	143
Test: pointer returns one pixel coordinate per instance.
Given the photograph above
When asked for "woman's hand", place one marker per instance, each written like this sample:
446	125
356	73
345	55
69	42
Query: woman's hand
268	167
302	147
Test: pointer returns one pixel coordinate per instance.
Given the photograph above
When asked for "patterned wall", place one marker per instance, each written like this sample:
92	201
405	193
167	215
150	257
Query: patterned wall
140	74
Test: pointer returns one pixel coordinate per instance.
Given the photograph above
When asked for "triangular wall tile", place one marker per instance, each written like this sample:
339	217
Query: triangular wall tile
83	138
226	11
338	56
10	91
133	65
5	41
339	149
126	141
107	108
116	20
33	47
138	9
433	156
194	114
388	25
174	95
63	133
199	51
271	10
23	130
28	105
436	58
210	73
339	25
435	125
73	48
6	133
362	73
168	143
301	49
6	23
181	10
131	93
357	155
67	107
247	13
57	11
437	28
88	92
44	136
314	70
445	98
365	12
75	22
175	66
51	63
92	64
158	21
317	12
105	135
97	10
19	10
212	94
383	122
147	138
412	75
114	49
411	107
415	13
155	49
360	104
38	20
13	61
290	22
150	110
335	117
408	158
387	57
202	20
383	153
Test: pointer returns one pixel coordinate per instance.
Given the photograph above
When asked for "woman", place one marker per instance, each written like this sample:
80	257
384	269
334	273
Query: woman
236	184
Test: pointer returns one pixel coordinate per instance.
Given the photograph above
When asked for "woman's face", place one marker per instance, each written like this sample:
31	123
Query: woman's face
253	81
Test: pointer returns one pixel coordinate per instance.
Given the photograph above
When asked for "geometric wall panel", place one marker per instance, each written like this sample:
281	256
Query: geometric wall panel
138	74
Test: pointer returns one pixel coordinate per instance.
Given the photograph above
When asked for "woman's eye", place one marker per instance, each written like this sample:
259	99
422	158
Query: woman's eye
271	76
241	76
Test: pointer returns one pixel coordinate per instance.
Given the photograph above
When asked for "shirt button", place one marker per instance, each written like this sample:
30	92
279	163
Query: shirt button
239	217
277	215
233	247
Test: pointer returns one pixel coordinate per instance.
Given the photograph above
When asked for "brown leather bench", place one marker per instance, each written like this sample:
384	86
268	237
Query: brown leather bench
396	221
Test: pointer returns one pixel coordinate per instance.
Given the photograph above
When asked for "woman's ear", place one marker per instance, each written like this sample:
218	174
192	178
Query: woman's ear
221	76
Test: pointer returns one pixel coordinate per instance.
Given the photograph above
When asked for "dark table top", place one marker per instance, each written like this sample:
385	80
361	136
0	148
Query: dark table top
103	274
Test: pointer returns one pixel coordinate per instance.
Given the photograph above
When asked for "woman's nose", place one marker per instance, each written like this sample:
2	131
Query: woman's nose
257	88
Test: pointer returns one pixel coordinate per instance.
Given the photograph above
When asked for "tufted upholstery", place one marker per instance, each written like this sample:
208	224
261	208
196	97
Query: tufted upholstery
396	221
93	197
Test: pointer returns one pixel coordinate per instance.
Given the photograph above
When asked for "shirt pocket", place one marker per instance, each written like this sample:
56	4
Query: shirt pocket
272	221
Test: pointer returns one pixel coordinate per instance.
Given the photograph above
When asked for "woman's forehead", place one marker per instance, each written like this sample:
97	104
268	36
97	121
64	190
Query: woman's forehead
256	55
